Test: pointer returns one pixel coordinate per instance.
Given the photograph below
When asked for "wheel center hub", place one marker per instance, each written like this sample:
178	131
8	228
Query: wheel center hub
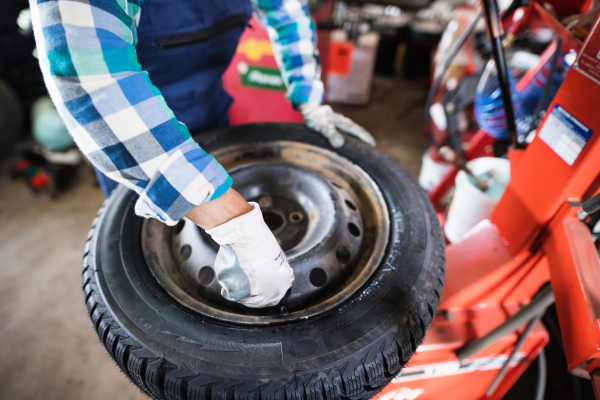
285	218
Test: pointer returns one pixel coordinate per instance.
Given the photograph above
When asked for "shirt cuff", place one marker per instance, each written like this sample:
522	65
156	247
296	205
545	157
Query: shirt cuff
306	91
187	178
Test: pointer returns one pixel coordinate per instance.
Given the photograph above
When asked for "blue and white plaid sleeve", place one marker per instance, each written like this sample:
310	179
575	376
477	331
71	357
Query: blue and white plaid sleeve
116	116
292	33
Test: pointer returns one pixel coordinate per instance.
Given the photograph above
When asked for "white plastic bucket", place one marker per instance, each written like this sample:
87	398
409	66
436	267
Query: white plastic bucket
432	171
470	205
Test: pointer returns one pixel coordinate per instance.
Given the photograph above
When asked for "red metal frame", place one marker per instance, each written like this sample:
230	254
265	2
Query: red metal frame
533	236
537	17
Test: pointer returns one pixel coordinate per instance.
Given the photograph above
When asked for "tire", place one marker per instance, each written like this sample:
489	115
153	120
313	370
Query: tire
10	119
350	352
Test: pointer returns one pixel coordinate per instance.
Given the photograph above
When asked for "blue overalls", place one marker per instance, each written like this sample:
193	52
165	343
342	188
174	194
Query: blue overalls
186	46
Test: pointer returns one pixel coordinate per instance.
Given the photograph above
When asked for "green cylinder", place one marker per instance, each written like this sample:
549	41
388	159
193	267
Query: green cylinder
48	127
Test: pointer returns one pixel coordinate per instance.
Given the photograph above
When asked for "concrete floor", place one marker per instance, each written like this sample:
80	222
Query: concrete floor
48	348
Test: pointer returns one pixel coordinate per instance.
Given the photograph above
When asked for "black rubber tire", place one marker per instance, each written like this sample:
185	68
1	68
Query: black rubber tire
348	353
10	119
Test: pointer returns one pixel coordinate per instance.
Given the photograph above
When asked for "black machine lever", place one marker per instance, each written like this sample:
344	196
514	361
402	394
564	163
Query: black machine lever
592	205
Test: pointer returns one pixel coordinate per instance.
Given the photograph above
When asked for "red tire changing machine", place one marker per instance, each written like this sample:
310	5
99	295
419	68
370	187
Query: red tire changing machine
535	248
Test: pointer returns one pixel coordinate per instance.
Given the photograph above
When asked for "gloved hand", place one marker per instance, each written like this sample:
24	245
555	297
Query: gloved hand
250	266
325	121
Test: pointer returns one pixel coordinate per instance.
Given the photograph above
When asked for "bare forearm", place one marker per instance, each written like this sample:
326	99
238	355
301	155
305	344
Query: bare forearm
216	212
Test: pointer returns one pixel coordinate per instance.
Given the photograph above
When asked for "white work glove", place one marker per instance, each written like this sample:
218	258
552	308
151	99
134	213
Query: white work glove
250	266
324	120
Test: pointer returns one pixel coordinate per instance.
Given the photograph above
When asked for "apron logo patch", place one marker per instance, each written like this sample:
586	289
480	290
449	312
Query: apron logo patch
261	77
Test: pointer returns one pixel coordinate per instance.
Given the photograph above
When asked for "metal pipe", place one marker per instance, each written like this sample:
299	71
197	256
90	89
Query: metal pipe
542	300
492	388
540	389
438	80
494	26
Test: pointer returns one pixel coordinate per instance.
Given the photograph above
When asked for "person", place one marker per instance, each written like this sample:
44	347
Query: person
132	78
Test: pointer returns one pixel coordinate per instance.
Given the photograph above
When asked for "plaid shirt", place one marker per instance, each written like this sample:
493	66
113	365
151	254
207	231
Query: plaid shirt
121	121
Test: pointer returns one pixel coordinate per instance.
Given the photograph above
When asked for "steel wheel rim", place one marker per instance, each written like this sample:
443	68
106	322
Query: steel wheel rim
327	213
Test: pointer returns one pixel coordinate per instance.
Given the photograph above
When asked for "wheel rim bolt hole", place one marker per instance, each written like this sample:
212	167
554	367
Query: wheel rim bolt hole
206	275
353	229
185	252
318	277
350	205
296	216
265	201
343	254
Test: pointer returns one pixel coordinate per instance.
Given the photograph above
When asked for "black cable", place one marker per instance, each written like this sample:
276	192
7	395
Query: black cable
550	321
494	26
502	373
